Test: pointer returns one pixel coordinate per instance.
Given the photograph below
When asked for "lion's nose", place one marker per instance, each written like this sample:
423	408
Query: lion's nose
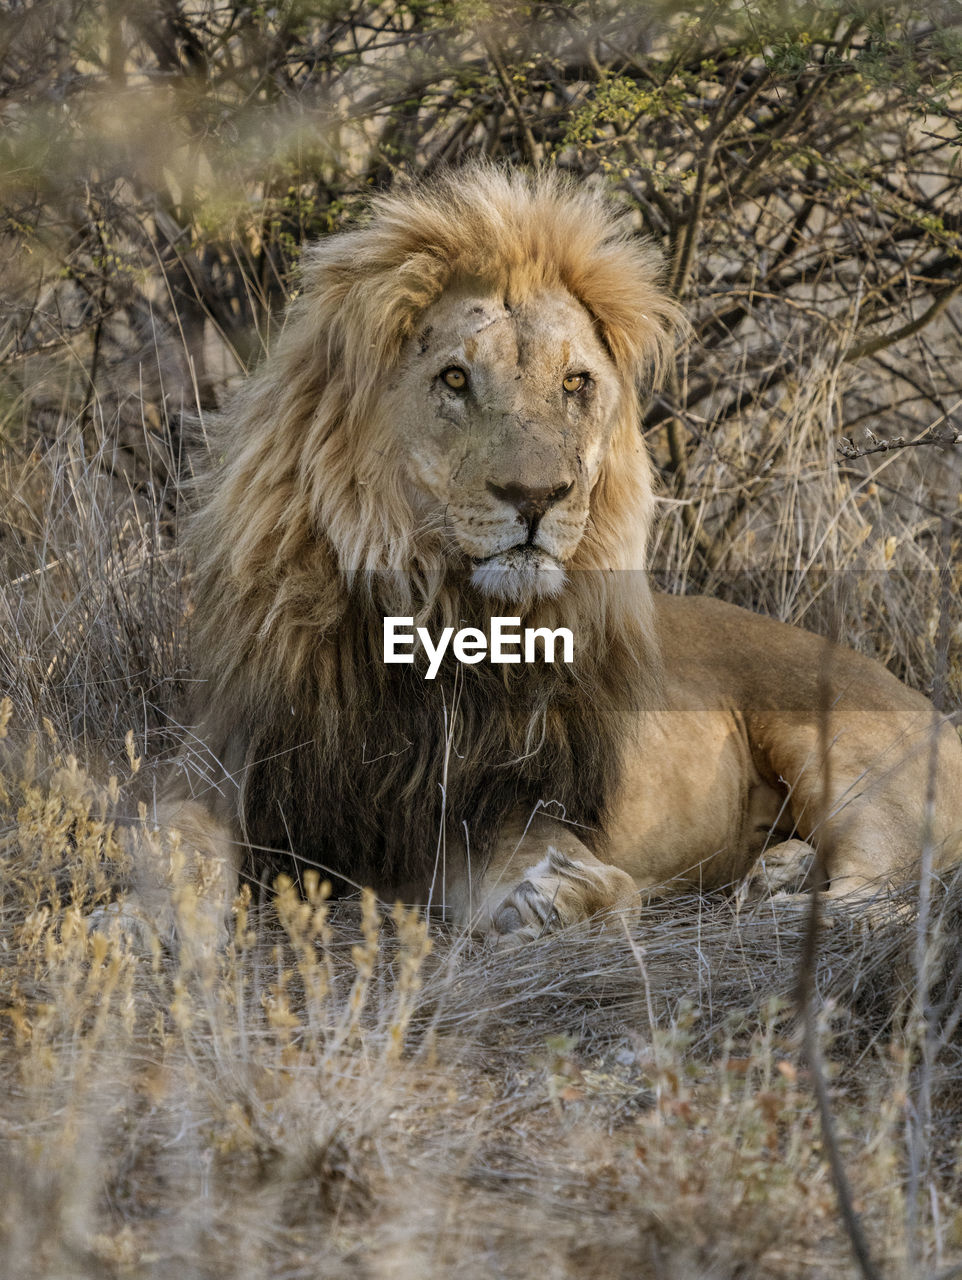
530	503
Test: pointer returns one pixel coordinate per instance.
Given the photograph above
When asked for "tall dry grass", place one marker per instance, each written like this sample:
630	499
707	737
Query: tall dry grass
348	1091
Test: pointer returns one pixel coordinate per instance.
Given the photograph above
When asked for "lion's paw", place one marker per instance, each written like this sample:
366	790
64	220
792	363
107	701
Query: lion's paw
559	891
784	869
124	921
191	933
527	912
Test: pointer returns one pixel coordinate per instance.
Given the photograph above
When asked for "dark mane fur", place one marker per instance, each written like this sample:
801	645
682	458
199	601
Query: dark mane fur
359	779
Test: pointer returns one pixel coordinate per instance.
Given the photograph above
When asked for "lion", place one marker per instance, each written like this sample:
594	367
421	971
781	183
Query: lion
448	430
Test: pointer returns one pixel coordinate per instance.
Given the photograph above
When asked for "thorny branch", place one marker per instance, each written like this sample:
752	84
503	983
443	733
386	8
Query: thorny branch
942	436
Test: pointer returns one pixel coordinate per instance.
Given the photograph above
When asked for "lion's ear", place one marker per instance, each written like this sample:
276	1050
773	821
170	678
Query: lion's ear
367	292
620	284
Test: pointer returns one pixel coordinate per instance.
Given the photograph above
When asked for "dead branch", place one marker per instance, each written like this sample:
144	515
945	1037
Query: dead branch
805	991
933	436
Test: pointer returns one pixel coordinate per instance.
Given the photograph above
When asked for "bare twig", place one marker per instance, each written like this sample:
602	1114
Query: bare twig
805	993
922	1024
946	435
883	340
532	147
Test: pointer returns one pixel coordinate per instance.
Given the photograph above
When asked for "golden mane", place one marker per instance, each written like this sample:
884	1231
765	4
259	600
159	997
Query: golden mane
304	538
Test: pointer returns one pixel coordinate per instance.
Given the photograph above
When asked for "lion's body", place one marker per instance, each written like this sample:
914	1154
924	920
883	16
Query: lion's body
448	430
743	696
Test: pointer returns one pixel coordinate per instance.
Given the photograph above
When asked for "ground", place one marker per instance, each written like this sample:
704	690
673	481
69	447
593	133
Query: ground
353	1090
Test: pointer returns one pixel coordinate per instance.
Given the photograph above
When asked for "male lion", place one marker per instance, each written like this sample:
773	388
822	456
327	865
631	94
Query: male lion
448	429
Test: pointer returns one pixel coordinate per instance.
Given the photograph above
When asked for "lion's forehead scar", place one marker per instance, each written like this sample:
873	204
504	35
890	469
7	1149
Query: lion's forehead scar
478	325
486	324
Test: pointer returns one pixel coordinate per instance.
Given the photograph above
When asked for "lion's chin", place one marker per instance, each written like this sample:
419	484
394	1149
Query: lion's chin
519	576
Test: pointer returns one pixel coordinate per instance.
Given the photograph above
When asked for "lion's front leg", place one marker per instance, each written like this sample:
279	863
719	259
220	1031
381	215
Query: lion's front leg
540	878
184	872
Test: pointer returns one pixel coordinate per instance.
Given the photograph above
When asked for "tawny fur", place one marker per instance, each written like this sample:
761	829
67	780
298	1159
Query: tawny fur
305	538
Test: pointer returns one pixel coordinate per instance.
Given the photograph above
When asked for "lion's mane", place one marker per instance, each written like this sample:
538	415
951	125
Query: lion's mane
304	538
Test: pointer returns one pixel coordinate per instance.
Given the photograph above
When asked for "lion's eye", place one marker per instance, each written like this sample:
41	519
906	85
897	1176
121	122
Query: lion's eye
455	378
574	382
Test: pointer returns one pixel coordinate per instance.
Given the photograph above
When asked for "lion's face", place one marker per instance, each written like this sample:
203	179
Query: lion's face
502	417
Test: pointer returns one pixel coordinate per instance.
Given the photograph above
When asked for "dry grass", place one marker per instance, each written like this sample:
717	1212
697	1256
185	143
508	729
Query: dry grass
347	1092
353	1091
